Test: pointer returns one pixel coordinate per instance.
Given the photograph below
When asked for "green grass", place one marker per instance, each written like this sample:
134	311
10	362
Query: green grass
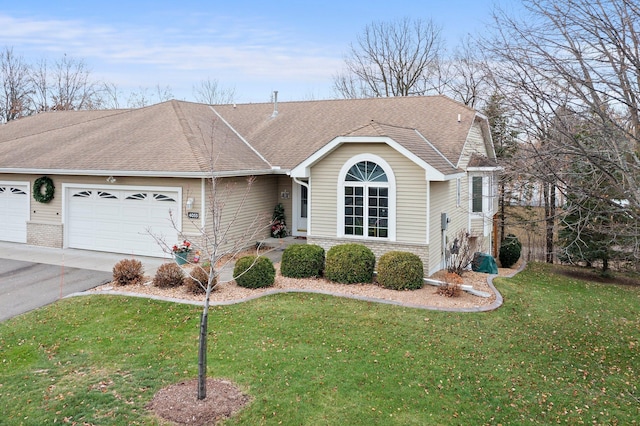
558	351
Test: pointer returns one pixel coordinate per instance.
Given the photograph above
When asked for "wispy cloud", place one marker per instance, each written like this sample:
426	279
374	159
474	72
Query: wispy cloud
244	51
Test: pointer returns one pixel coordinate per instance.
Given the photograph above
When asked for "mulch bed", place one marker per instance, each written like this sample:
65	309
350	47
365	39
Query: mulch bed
179	402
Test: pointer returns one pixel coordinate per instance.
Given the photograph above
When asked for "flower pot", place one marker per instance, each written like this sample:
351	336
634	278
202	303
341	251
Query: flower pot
181	257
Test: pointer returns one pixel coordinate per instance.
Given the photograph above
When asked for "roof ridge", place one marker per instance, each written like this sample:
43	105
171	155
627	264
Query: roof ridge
246	142
356	128
116	112
434	148
189	135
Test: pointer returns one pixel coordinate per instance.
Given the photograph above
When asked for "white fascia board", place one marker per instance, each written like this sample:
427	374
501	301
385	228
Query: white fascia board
452	176
484	169
142	173
302	170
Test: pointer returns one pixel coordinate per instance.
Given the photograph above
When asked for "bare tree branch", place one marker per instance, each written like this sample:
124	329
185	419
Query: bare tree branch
392	59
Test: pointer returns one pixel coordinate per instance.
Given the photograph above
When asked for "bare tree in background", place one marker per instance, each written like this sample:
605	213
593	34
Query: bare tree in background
40	82
465	76
211	92
146	96
110	95
399	58
16	88
65	86
576	61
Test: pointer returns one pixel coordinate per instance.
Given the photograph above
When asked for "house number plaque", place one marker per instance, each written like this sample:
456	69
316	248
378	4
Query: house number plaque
193	215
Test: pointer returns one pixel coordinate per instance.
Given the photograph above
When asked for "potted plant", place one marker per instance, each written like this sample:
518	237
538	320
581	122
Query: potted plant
180	252
278	223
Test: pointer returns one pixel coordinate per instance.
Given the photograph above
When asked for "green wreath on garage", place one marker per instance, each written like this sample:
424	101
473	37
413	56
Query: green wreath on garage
46	195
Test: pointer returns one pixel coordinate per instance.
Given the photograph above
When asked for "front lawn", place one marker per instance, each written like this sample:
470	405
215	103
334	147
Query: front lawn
558	350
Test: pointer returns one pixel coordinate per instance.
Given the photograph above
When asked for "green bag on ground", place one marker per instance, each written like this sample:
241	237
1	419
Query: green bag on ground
483	262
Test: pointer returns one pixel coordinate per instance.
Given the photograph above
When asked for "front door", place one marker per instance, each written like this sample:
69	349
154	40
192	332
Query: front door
300	209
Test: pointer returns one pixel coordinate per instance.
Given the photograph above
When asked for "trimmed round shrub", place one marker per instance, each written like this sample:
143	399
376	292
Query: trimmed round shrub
400	270
302	261
168	275
128	271
349	263
510	251
196	280
254	272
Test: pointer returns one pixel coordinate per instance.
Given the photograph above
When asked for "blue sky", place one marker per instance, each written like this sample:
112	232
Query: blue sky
253	46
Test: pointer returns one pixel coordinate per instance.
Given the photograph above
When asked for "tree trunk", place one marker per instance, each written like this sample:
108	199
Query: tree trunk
503	215
550	217
202	358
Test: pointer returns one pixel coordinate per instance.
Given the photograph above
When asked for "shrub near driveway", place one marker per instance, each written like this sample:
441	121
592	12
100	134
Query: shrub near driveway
558	351
128	271
254	272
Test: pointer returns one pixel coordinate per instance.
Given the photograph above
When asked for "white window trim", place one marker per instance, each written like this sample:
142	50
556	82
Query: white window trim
488	194
484	192
391	184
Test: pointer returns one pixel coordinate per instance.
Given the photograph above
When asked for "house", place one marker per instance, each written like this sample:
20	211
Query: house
403	173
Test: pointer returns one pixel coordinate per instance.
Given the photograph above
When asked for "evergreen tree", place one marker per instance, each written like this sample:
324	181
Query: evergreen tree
506	146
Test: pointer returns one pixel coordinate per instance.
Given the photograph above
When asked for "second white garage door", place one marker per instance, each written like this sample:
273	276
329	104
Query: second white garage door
122	220
14	211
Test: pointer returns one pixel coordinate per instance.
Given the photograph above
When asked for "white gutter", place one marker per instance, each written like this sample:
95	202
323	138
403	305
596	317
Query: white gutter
144	173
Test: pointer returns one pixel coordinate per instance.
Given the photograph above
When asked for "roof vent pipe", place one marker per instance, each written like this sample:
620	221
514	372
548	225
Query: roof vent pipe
275	104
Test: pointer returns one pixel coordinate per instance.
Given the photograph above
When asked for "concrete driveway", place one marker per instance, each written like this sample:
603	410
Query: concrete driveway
25	286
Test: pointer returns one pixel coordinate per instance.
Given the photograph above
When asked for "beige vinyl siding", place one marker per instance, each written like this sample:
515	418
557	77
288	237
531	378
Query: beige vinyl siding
411	192
477	226
444	200
285	185
249	211
439	204
473	145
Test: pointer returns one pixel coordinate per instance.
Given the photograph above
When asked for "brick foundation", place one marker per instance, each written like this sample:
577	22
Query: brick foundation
44	234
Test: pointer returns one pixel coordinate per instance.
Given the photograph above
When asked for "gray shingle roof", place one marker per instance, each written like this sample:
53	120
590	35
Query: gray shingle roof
171	137
176	137
301	128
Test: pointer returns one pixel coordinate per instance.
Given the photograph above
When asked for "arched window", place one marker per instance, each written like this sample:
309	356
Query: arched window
367	199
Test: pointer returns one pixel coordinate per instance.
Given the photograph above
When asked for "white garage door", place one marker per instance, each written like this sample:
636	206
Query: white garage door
121	221
14	212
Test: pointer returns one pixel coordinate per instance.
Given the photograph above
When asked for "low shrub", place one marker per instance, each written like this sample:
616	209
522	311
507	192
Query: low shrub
254	272
128	271
168	275
349	263
400	270
197	279
510	251
302	261
451	288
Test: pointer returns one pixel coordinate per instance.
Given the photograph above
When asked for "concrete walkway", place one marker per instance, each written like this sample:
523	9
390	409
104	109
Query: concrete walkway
73	258
102	261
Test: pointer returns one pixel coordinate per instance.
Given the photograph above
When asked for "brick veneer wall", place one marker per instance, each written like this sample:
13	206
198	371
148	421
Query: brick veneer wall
377	247
44	234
